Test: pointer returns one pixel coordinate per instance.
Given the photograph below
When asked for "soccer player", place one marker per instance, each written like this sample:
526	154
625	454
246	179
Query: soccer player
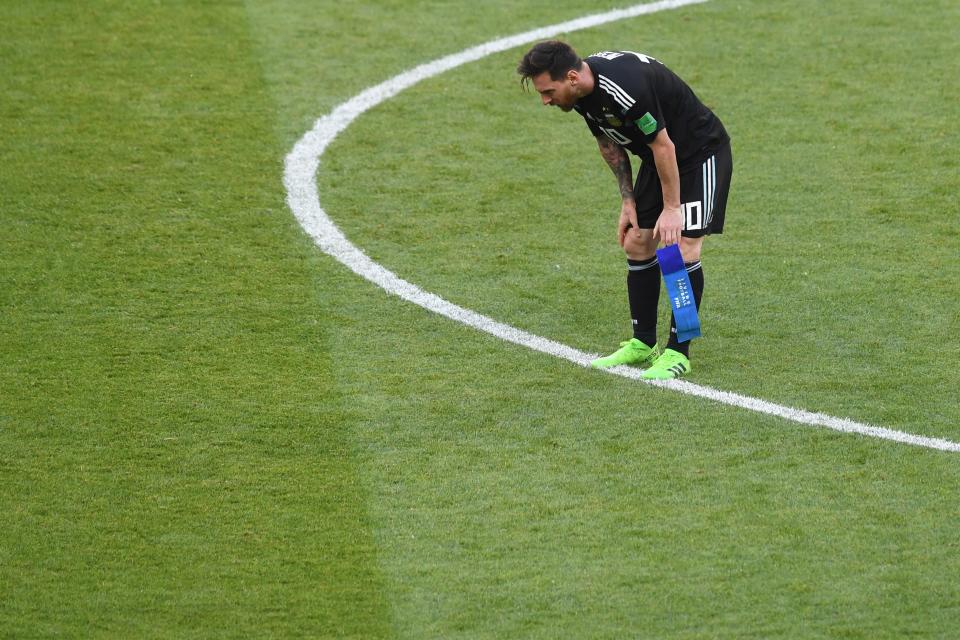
633	102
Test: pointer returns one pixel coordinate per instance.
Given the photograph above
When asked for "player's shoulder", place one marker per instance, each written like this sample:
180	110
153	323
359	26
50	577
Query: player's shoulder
620	75
621	59
623	68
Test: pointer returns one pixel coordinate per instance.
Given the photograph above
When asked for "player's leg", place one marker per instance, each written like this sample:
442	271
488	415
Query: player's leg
704	194
643	283
674	362
643	280
690	249
643	293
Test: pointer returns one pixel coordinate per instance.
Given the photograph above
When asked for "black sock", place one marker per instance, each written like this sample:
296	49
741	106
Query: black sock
695	272
643	292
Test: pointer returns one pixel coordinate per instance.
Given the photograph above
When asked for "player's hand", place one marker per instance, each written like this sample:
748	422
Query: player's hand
669	225
628	218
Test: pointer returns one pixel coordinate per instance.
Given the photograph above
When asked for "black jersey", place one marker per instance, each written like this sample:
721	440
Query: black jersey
636	96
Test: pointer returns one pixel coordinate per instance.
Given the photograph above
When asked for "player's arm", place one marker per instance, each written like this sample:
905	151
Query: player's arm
670	223
618	160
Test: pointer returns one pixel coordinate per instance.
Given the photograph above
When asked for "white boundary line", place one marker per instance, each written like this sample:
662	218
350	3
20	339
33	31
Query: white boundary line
299	178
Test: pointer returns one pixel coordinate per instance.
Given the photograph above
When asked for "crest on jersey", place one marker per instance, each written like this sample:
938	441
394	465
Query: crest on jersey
612	118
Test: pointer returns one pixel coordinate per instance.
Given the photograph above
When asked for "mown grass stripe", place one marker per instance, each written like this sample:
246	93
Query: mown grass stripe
302	164
176	458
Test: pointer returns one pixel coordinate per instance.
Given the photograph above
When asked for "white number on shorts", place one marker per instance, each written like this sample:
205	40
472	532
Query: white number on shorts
692	215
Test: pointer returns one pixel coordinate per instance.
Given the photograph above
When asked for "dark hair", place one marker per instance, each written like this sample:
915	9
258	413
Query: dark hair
551	55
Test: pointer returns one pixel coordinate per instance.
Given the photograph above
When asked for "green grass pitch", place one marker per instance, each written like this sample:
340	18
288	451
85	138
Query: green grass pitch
211	429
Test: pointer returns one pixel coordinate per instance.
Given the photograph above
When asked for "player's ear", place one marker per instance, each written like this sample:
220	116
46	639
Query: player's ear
573	76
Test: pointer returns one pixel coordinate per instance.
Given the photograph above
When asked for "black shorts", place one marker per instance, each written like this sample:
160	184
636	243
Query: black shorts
703	194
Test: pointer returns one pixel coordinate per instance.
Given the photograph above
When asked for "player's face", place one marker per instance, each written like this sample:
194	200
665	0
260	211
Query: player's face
556	93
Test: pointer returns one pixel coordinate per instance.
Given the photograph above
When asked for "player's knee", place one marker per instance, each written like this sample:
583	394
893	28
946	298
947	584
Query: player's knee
690	248
639	244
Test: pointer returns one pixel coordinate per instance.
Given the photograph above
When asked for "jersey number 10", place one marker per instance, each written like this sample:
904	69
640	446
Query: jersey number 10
616	136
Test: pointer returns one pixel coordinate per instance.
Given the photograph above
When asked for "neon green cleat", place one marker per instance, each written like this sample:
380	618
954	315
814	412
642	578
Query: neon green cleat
672	364
632	351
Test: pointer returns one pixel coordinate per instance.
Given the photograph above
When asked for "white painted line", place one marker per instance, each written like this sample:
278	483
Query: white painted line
299	178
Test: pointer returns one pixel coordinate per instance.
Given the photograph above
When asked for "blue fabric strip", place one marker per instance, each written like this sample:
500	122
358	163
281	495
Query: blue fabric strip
680	291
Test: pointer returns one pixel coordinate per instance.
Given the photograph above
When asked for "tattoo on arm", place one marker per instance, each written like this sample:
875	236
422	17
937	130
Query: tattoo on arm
619	162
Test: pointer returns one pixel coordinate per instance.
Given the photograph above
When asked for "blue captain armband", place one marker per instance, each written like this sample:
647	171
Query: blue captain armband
680	290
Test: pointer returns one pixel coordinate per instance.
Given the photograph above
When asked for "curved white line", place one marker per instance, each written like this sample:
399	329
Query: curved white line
299	178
